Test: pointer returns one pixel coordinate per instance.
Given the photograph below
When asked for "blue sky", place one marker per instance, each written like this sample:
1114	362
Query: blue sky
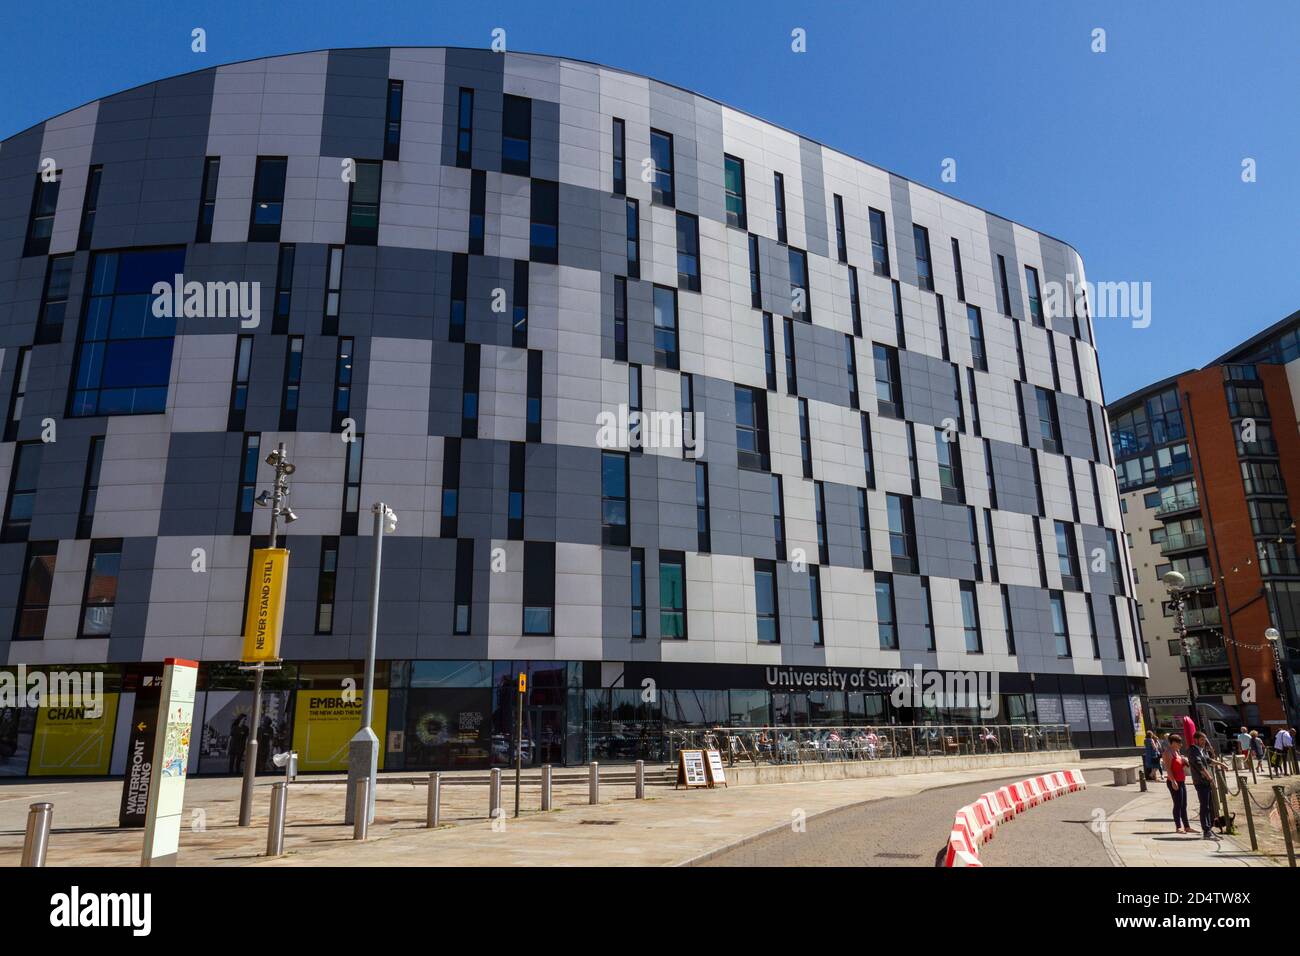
1133	155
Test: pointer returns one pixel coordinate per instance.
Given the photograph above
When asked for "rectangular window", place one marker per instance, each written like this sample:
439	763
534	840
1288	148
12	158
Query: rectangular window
661	156
54	300
855	302
703	534
943	329
342	383
688	252
633	239
815	604
851	366
974	321
519	310
89	207
333	291
1092	626
459	297
463	599
283	289
638	593
634	407
1060	629
972	529
1035	296
800	293
544	227
100	595
841	246
819	511
477	211
885	620
1006	621
268	199
924	271
352	485
751	429
864	528
326	582
393	122
868	460
208	199
515	503
292	384
539	588
991	545
90	490
38	582
1067	557
464	128
766	605
533	411
950	475
448	525
733	181
613	498
1004	288
19	394
124	358
672	595
620	157
755	275
927	614
40	228
688	415
665	315
769	352
913	465
469	392
902	537
620	319
239	384
900	327
247	483
1049	428
956	268
970	618
791	362
778	517
805	439
516	135
778	185
363	203
889	388
879	243
23	484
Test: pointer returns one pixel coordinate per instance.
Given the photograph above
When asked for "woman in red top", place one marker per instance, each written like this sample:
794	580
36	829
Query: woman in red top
1176	780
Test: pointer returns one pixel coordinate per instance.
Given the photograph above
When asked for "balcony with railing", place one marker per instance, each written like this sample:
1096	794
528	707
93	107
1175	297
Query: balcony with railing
1179	504
1182	541
1196	577
1208	657
1198	617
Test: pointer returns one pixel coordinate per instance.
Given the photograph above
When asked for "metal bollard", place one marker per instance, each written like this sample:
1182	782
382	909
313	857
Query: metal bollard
640	779
361	819
37	840
1250	817
1222	778
435	800
593	782
1279	794
275	826
546	786
494	794
1142	779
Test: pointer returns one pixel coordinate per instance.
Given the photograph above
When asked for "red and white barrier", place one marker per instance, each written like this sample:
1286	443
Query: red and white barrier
974	824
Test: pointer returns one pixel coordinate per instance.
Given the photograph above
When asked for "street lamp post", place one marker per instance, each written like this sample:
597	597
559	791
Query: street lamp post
275	500
363	749
1174	582
1274	638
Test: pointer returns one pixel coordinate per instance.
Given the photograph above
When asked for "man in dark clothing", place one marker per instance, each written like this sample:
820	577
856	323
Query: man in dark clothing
1202	759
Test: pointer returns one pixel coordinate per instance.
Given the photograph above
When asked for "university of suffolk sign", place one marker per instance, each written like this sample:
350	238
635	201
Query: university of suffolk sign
906	688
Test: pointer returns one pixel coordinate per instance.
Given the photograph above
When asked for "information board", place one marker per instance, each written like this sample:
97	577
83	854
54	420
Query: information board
691	770
716	772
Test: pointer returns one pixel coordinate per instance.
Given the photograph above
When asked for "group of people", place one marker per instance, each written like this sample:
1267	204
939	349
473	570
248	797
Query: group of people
1278	757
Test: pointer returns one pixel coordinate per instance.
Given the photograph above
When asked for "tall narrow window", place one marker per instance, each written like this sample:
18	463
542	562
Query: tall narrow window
1092	626
247	483
1067	557
544	224
469	392
778	517
791	363
868	460
755	275
239	384
970	618
879	243
972	531
633	239
539	588
902	539
672	595
533	412
688	415
885	620
519	310
805	439
819	510
778	185
393	122
769	352
342	383
459	296
477	211
665	316
614	498
661	155
208	199
37	584
283	289
1035	296
913	464
927	614
352	485
976	325
638	593
1004	288
1060	628
634	407
464	127
89	207
333	290
974	401
900	328
19	394
889	388
851	366
620	319
23	484
40	228
516	135
292	384
326	584
855	302
950	476
703	534
450	512
463	599
800	292
688	252
956	268
54	300
733	182
766	604
363	204
943	328
620	157
815	604
1007	622
90	490
924	270
268	199
99	598
515	505
991	544
1048	427
751	429
841	246
864	528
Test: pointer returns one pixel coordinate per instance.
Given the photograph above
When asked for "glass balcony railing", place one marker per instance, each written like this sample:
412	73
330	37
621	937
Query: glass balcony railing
1186	502
1181	540
1196	578
1208	656
1202	617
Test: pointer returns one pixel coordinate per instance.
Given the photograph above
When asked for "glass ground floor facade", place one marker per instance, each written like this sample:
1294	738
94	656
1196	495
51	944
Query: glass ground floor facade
454	715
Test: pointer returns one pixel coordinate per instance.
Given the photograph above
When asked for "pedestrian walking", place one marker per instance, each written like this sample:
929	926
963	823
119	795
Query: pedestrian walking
1201	761
1175	765
1257	750
1243	746
1283	744
1151	756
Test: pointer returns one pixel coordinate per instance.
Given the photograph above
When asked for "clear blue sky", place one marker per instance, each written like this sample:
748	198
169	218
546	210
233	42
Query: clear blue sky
1133	156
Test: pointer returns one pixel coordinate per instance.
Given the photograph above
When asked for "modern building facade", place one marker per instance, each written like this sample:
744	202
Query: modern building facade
1209	471
486	283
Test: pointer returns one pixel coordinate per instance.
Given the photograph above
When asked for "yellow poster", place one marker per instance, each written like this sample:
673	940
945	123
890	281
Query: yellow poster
70	742
266	595
324	722
1139	722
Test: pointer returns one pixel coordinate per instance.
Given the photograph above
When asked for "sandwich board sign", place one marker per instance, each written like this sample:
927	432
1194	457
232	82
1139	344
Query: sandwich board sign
171	756
691	770
716	772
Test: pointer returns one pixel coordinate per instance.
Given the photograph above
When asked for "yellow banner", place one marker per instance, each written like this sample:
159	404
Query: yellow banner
72	741
324	723
266	596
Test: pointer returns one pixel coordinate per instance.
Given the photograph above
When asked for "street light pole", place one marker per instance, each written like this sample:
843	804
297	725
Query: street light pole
363	749
1174	582
1274	638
